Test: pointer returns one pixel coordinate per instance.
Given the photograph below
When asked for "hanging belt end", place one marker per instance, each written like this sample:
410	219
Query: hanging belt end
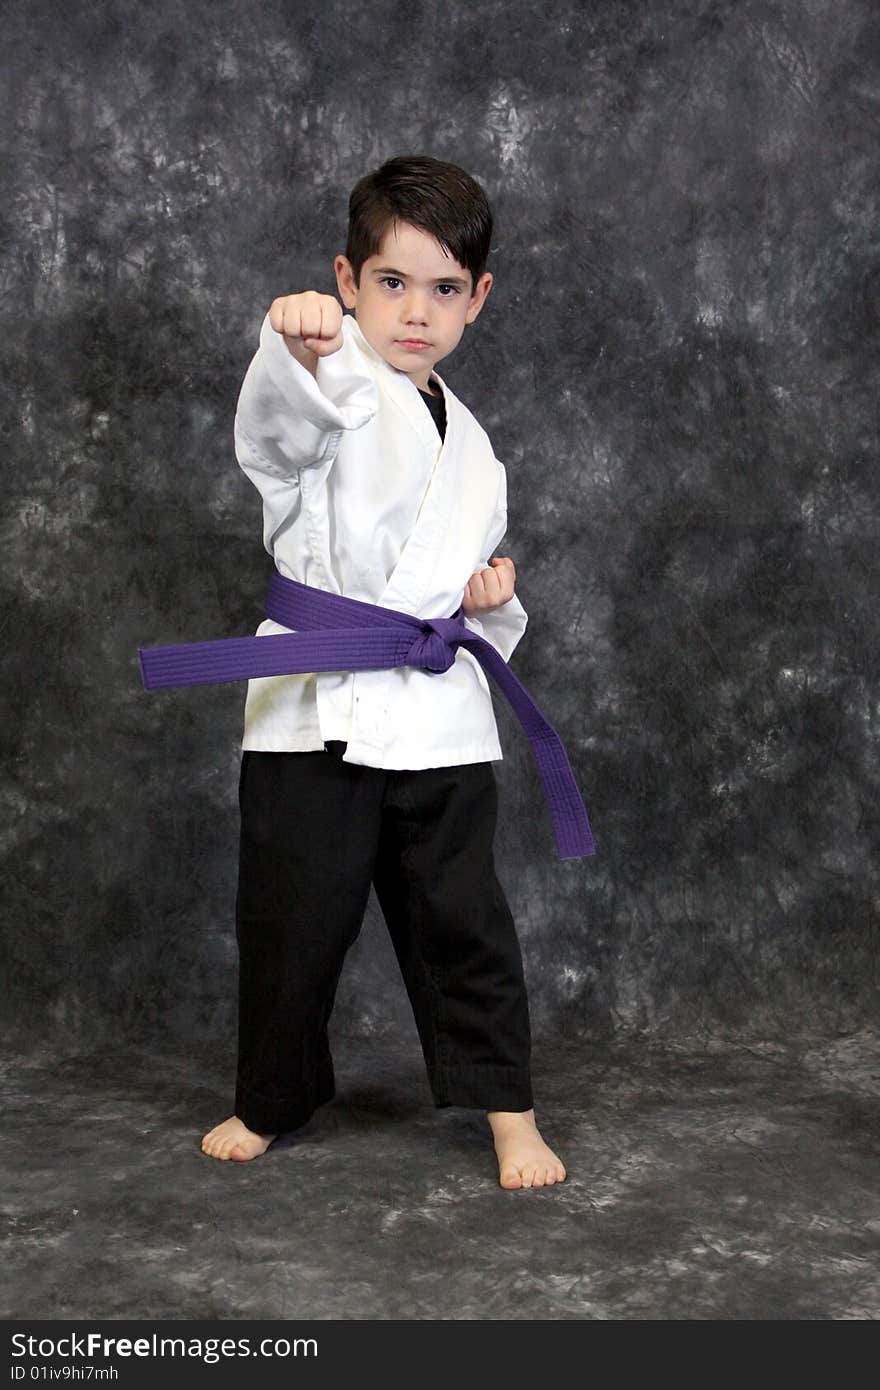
144	663
574	840
586	853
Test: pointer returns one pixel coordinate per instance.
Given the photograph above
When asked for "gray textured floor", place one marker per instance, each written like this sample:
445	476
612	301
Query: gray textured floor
711	1182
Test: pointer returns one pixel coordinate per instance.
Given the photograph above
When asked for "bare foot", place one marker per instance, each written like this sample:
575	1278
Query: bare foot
524	1160
234	1140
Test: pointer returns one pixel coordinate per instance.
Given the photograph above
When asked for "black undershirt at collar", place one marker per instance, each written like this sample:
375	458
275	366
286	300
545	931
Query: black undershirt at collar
437	407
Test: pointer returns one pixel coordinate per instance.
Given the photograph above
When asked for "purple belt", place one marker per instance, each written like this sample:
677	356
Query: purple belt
335	633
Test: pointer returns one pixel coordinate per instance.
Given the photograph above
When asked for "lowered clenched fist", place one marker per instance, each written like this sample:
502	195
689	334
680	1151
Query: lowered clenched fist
490	588
309	320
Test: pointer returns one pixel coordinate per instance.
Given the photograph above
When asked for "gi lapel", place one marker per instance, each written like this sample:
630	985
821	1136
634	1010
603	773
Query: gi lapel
406	588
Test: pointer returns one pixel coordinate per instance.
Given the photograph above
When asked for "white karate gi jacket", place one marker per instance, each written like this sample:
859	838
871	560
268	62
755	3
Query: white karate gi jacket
360	497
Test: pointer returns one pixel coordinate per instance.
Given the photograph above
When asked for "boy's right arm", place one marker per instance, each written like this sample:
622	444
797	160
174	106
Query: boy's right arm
291	411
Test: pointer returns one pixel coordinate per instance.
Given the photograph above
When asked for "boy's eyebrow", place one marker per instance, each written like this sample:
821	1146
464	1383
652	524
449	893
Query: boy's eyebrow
441	279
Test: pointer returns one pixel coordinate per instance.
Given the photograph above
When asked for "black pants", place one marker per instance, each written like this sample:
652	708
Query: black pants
315	833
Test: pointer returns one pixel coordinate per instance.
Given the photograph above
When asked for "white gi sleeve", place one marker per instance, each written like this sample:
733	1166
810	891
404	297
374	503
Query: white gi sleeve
503	626
286	419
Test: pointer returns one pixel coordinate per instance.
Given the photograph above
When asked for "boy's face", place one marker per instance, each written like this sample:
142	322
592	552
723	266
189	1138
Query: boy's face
411	291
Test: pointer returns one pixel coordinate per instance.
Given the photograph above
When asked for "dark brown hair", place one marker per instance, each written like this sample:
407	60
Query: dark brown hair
437	197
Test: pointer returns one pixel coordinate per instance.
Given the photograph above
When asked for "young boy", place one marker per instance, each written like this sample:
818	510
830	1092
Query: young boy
378	484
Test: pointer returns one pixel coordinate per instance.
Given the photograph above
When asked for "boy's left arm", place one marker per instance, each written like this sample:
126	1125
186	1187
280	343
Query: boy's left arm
504	623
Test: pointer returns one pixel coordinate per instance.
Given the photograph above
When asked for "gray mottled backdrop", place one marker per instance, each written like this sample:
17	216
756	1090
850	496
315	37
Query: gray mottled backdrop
677	363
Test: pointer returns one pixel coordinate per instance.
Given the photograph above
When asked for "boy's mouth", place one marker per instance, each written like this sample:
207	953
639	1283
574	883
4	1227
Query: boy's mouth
413	342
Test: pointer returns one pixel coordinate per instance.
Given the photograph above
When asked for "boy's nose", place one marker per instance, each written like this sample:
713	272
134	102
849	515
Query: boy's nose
415	310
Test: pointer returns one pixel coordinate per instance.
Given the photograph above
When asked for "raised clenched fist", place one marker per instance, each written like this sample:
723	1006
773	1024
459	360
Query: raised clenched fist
308	320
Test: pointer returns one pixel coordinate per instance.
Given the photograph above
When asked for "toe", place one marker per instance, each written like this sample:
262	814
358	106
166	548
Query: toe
247	1148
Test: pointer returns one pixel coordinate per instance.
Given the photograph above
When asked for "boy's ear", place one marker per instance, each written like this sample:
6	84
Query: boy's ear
345	281
478	298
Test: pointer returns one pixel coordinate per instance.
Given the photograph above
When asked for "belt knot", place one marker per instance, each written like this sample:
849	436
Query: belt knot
434	648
